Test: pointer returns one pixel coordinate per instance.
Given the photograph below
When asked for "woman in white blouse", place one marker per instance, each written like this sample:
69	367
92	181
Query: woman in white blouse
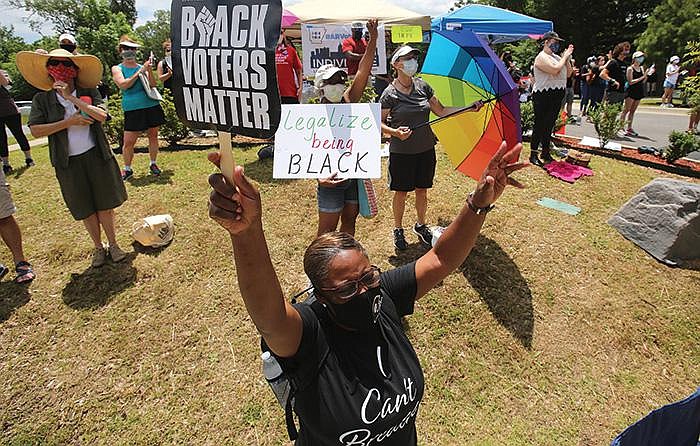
551	72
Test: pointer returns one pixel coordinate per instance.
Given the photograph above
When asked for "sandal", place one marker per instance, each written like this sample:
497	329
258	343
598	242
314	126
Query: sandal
3	271
25	273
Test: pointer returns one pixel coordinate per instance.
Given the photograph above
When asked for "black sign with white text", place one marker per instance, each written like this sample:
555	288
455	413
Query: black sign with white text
224	73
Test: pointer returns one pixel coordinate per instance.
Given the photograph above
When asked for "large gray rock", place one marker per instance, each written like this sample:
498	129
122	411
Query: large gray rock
664	220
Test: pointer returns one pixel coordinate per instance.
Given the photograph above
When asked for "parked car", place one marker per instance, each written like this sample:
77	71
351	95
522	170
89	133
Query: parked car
24	107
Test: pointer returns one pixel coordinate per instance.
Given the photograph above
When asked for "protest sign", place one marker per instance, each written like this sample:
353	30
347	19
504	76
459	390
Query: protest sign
318	140
323	44
224	73
406	34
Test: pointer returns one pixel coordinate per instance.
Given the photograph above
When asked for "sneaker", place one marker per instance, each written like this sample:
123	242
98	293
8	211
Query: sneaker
631	132
155	170
116	253
29	162
126	174
99	257
424	234
399	239
6	168
669	105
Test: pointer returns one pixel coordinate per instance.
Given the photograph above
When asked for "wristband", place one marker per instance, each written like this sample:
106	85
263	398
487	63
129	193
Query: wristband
476	210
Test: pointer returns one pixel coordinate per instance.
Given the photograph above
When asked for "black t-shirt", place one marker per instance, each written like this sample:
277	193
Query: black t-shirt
617	70
410	110
370	385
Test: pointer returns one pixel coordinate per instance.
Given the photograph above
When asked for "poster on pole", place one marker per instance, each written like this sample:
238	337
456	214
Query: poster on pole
323	44
224	73
318	140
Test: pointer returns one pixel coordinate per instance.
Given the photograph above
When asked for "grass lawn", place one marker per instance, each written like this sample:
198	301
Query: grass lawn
555	331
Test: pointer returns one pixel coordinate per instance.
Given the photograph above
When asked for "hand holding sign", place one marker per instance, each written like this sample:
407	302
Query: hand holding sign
236	205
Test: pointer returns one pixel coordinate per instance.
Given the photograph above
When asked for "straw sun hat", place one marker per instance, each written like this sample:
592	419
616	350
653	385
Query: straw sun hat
32	66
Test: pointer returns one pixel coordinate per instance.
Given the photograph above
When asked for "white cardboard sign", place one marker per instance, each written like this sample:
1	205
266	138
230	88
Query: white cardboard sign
318	140
323	44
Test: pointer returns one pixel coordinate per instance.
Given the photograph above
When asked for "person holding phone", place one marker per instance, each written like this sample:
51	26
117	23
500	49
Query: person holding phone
141	113
164	70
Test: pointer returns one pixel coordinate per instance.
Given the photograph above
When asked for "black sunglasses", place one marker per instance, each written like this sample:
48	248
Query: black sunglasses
349	289
54	63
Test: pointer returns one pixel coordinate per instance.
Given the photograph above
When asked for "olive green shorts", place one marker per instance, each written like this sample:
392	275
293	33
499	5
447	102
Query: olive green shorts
91	183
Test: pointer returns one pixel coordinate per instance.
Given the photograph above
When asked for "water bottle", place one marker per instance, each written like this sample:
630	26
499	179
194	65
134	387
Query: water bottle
275	378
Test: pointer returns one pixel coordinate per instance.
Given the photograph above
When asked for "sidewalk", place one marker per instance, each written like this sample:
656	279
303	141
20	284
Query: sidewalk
32	143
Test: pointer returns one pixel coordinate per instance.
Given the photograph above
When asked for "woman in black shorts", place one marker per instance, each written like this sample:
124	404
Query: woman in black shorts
408	101
636	76
141	113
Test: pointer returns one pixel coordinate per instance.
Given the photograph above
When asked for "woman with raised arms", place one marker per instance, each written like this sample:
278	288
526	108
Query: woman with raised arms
356	377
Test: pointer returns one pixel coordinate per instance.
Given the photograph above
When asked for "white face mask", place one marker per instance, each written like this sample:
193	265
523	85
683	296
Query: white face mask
410	67
333	92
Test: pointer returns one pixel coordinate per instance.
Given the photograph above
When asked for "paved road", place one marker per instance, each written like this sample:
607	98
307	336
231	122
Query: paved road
652	123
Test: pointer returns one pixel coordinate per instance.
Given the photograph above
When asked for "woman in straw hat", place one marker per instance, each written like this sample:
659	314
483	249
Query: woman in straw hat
69	111
141	113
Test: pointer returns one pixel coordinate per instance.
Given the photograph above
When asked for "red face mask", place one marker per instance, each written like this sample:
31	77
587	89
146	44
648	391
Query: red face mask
62	73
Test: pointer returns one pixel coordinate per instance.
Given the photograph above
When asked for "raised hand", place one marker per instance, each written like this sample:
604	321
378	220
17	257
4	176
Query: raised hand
569	51
372	28
496	176
236	207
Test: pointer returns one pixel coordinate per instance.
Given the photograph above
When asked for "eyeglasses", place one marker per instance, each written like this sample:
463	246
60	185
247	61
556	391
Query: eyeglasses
54	63
349	289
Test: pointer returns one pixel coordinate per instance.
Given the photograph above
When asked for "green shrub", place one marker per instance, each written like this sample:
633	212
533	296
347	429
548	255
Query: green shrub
527	117
680	144
173	130
606	120
114	127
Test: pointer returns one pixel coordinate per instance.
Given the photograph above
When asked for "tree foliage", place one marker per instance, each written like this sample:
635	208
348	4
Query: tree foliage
593	26
10	44
523	52
671	25
154	32
126	7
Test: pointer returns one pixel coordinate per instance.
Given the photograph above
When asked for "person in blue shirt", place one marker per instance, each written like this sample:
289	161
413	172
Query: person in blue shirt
141	113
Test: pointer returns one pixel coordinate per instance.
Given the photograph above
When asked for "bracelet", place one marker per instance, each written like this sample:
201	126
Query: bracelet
476	210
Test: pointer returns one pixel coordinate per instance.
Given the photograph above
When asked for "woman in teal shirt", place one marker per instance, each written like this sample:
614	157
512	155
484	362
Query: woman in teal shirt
141	113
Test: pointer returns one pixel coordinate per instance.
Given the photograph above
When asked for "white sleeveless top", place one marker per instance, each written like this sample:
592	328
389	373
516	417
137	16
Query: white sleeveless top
546	81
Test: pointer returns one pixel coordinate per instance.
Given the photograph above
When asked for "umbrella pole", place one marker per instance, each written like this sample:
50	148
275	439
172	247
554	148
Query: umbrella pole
461	110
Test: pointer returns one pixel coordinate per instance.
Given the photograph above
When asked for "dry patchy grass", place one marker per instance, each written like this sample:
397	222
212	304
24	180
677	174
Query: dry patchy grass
556	330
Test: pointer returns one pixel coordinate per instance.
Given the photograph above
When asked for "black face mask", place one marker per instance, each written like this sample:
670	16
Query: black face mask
361	312
68	47
357	35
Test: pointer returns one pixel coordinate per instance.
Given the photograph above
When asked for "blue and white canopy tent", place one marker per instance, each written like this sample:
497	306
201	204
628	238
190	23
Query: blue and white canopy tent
495	25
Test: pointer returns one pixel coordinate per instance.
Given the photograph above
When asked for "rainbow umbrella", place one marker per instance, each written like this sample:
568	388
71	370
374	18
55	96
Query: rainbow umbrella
463	69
